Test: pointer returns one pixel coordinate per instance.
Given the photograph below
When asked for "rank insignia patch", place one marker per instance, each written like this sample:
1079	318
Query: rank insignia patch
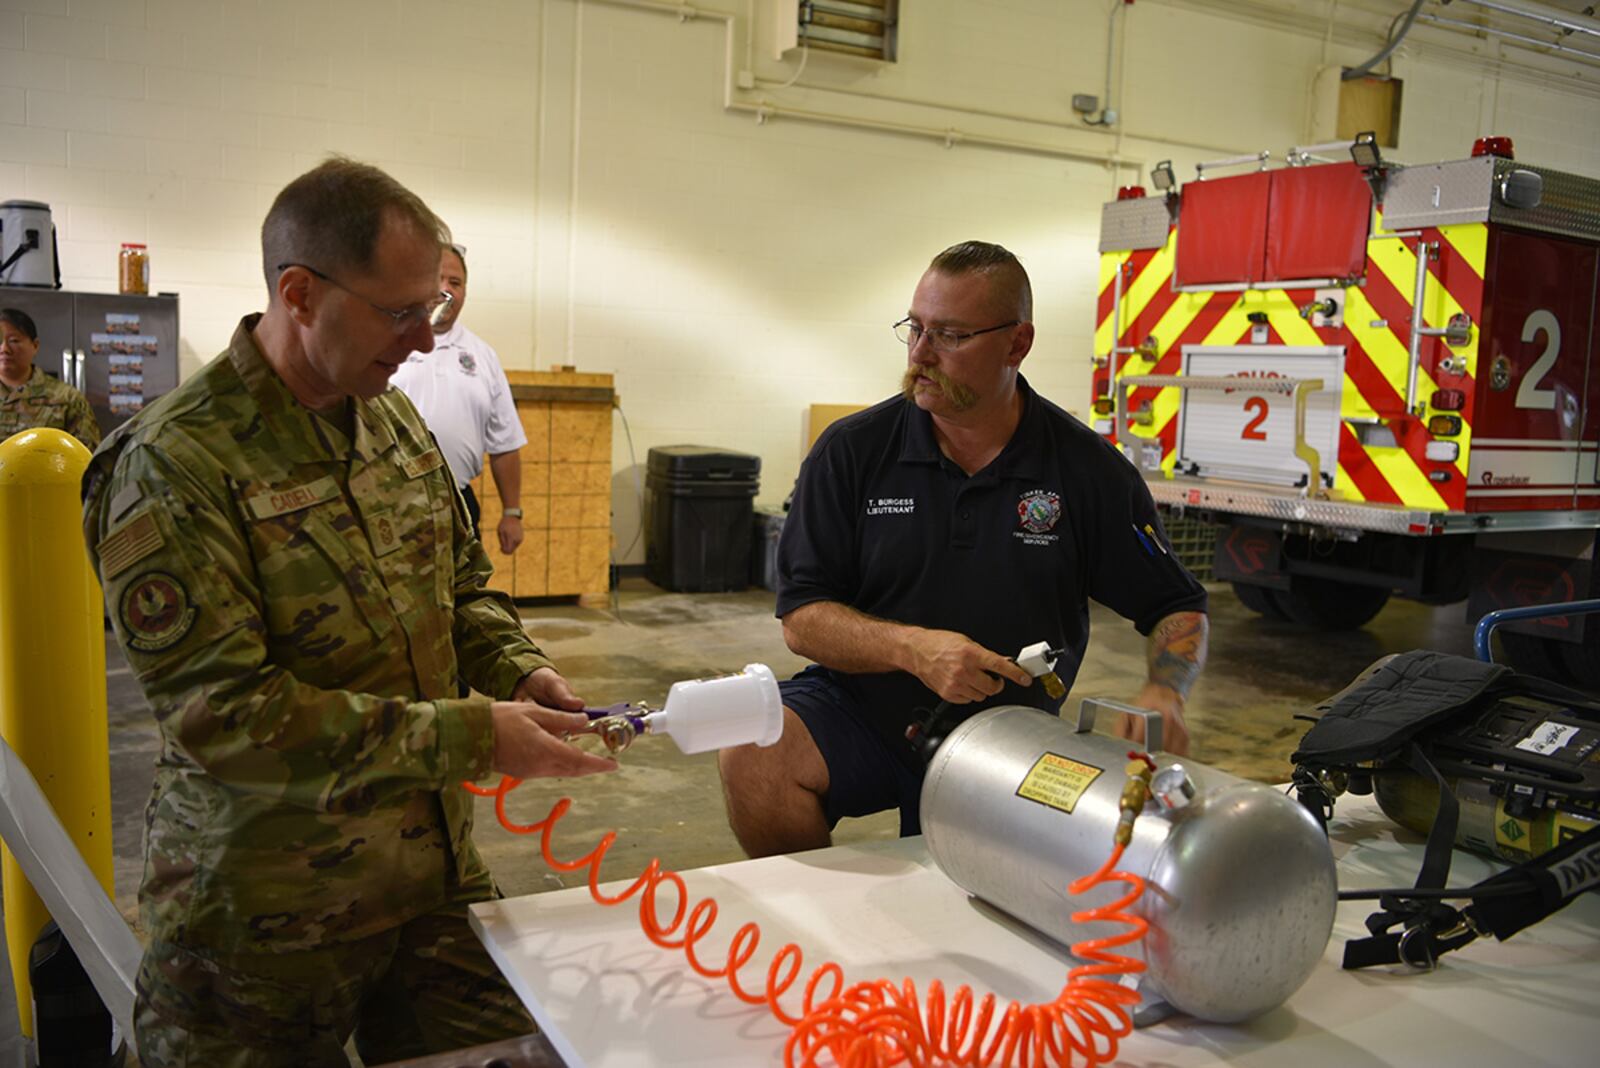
155	611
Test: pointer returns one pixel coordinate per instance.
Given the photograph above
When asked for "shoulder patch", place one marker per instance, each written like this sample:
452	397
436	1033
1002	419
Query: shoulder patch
129	543
292	499
155	611
125	498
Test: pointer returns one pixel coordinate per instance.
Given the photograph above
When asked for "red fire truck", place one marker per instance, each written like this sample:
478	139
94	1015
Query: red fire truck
1375	380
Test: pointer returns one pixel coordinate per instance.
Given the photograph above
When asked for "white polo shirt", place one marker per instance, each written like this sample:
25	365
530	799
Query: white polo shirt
464	398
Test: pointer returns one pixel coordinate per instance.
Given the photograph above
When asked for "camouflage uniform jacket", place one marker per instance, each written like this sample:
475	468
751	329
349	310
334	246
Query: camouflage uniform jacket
46	401
293	604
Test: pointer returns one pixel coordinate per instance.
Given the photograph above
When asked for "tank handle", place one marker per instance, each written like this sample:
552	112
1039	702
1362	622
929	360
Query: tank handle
1089	707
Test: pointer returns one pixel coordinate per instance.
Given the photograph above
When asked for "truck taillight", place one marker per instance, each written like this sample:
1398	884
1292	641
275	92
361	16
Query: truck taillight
1103	406
1494	146
1442	452
1444	426
1449	400
1130	192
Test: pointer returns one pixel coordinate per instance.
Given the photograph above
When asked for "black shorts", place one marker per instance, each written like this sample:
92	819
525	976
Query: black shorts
864	774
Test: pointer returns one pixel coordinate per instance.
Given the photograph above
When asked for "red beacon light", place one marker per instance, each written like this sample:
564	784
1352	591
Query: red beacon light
1130	192
1493	146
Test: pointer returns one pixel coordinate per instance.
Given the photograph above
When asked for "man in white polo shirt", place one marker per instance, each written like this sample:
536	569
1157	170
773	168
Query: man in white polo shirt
464	398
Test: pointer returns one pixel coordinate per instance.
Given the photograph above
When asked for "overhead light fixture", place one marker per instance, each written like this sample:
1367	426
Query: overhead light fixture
1161	176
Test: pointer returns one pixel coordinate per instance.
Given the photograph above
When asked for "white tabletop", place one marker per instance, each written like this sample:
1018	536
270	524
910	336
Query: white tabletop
608	998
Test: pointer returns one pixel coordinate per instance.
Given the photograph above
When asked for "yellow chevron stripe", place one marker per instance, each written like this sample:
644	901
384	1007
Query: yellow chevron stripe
1150	280
1345	486
1285	318
1109	262
1407	479
1234	322
1385	350
1352	405
1171	326
1471	241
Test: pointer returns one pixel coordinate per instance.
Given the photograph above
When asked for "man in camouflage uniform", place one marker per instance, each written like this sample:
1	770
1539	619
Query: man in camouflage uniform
28	396
289	572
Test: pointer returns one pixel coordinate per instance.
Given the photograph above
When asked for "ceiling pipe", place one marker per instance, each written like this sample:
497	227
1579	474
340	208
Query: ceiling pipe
1550	16
1490	31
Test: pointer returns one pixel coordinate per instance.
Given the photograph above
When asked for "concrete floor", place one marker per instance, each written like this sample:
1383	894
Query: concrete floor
664	804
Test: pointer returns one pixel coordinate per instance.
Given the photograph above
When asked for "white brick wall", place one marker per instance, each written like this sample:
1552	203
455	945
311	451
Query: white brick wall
730	273
176	121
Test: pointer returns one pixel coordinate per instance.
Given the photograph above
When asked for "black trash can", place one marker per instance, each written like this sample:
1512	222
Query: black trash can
698	503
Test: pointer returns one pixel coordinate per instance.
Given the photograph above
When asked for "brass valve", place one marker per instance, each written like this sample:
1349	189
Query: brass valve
1135	792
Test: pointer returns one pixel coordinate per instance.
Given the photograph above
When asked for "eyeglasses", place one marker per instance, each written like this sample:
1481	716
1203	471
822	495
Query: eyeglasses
404	320
909	330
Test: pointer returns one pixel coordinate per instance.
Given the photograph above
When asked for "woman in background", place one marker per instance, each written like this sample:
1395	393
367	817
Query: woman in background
30	398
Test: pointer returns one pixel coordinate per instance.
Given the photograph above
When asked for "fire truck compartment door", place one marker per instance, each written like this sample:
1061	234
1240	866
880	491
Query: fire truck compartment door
1535	427
1250	436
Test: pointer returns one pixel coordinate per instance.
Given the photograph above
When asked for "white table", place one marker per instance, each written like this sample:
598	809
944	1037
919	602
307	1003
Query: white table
608	998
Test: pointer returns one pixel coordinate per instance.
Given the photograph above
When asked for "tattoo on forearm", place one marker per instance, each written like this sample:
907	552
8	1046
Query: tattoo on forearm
1177	651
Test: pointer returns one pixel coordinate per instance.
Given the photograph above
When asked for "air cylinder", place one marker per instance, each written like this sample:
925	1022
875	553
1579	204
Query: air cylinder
1241	886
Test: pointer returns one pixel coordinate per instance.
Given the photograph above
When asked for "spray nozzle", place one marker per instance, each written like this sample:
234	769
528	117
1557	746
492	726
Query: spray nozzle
699	714
1039	660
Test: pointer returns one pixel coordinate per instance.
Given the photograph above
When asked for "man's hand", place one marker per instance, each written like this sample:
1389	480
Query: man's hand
960	670
1174	731
510	532
547	687
528	743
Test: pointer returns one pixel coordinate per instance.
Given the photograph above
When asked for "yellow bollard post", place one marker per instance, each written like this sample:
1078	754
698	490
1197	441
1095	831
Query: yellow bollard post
52	668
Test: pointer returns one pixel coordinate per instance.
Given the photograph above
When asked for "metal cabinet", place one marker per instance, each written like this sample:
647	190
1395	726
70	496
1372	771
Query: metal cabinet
121	351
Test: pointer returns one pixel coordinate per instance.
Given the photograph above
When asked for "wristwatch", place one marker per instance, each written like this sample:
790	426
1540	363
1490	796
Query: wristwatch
514	513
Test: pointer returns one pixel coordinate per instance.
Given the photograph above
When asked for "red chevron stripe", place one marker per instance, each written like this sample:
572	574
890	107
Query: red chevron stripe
1362	471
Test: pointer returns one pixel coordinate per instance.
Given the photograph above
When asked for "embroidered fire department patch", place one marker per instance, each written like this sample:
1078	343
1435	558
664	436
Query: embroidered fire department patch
469	365
1039	511
156	612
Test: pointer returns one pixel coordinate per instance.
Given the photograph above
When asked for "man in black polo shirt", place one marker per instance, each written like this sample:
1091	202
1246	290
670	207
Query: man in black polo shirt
933	537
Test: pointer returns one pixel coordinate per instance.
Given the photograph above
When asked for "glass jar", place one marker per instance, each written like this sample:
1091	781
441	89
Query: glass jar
133	269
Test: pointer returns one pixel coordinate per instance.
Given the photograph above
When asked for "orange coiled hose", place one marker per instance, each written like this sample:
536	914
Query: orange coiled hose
876	1024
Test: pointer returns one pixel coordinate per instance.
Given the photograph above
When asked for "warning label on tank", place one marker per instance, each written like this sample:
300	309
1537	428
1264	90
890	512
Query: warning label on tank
1058	782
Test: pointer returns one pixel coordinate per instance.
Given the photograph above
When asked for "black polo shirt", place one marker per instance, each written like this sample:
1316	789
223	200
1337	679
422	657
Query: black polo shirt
884	522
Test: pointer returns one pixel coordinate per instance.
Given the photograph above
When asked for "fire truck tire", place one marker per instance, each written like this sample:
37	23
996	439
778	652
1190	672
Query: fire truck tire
1260	600
1329	605
1533	655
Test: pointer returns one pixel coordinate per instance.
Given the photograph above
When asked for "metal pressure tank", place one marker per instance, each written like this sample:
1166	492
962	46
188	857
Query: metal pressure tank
1241	887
